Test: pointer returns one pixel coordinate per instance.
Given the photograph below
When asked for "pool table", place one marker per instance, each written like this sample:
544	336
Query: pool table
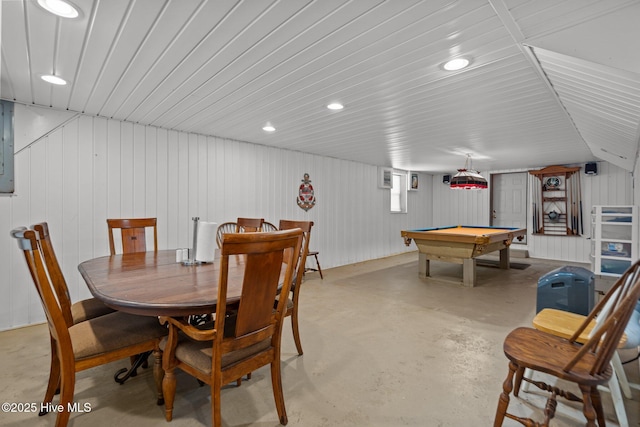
461	245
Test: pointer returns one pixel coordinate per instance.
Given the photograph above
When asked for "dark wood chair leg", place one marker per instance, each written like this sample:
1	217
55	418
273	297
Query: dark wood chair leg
518	381
503	402
169	392
319	269
590	412
296	330
318	264
158	375
53	387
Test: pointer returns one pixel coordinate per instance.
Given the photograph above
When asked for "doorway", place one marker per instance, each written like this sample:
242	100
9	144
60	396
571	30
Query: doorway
509	201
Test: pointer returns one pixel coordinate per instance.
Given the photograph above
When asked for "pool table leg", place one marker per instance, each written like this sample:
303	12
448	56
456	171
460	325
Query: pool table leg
469	272
423	265
504	258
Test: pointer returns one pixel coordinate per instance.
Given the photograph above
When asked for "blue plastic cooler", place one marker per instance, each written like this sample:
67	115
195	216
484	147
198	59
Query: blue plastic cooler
567	288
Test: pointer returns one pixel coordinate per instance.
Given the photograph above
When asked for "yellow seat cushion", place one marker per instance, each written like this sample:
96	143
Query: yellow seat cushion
564	323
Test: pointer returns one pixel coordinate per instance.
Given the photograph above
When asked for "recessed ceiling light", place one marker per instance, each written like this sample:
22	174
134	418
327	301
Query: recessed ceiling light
54	80
268	128
335	106
456	64
61	8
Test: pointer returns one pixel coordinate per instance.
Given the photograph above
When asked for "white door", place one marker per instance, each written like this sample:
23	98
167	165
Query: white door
509	200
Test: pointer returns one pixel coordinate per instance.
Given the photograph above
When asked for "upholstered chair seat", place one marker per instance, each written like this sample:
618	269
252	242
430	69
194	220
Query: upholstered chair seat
88	309
198	354
112	332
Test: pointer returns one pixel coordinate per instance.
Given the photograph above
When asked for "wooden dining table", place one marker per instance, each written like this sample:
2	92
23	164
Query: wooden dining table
154	284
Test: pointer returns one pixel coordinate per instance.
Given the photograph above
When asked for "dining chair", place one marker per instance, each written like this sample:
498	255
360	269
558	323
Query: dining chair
133	234
267	226
134	239
80	310
292	300
240	226
225	227
246	341
87	344
244	225
318	268
564	323
73	312
587	365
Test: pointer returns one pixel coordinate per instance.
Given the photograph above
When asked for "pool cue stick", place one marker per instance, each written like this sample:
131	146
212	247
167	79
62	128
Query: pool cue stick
538	191
573	206
534	195
533	202
540	210
575	196
568	205
580	217
577	199
574	224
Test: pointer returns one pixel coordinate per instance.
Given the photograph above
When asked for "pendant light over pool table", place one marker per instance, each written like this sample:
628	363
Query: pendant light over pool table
467	178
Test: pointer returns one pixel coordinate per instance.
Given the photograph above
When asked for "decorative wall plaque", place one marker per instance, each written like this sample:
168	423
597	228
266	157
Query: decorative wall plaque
306	200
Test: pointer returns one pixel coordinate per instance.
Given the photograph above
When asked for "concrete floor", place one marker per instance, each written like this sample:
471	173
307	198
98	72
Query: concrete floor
382	348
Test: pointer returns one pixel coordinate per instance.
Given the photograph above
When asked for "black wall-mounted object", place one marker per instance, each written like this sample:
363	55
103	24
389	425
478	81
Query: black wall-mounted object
591	168
446	179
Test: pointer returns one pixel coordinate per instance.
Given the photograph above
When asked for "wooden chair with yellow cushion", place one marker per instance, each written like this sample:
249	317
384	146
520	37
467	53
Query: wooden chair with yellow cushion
87	344
246	341
133	233
292	301
564	323
248	225
586	364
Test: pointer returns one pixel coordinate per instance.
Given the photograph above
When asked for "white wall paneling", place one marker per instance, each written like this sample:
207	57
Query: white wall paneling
87	169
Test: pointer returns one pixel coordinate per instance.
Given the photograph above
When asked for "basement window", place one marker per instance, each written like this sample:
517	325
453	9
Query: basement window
6	148
399	192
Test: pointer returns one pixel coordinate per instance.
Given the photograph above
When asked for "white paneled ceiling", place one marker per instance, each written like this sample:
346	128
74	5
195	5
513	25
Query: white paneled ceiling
550	82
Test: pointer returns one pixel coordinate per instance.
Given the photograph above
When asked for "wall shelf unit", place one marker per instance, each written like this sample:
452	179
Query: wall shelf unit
614	239
557	207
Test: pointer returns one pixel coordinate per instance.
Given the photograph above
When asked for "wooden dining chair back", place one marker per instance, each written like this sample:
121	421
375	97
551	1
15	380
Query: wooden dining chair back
133	234
587	365
86	344
292	301
224	228
250	338
247	225
73	312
